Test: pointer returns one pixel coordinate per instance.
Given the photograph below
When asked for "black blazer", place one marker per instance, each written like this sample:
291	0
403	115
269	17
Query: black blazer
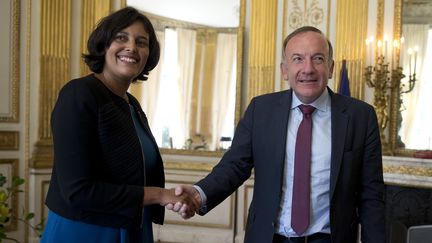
98	173
356	180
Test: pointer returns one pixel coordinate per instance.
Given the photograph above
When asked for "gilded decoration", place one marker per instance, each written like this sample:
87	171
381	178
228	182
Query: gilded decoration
54	70
351	30
395	120
205	153
92	12
9	140
240	38
379	78
13	59
262	39
408	170
191	166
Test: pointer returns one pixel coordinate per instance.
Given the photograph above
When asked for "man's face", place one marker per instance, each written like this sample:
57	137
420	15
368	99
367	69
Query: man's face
306	65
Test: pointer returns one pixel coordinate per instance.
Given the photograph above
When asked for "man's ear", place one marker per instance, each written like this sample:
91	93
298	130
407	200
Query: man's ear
331	69
284	70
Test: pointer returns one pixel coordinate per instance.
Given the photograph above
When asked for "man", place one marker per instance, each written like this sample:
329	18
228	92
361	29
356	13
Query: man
344	182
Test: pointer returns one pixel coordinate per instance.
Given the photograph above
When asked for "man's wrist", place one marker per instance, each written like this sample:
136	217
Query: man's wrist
202	195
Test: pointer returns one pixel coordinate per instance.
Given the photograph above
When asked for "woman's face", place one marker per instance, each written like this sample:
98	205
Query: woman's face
127	55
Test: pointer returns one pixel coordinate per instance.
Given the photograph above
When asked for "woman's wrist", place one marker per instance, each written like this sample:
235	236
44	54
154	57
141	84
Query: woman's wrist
153	195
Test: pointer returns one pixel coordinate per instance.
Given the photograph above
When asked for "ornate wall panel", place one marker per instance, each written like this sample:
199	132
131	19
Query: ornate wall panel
380	22
9	60
262	41
351	31
298	13
9	140
55	70
92	12
216	226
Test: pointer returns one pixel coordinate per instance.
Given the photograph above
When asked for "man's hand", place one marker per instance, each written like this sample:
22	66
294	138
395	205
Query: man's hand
186	210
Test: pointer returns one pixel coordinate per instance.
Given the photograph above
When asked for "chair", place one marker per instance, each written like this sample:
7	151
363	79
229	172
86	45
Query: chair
398	232
419	234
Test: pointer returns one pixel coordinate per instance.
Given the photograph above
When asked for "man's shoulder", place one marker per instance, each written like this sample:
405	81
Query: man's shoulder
349	102
274	96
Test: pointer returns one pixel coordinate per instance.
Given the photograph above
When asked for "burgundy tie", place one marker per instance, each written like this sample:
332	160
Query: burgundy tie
302	160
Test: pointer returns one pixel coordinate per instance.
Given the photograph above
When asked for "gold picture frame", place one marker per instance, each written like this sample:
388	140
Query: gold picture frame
9	140
11	92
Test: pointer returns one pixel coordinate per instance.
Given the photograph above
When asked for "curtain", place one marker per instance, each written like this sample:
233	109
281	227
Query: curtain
186	61
414	116
191	93
202	90
174	98
167	126
224	88
147	92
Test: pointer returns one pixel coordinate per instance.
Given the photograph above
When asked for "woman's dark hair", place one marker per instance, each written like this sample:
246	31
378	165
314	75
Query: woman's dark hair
102	37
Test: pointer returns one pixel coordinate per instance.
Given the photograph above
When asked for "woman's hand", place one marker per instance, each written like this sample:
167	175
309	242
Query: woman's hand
181	200
192	194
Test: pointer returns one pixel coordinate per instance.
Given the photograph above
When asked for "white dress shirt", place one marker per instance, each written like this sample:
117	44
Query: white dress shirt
320	168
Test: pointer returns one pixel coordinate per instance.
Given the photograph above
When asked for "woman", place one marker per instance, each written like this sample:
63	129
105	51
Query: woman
107	179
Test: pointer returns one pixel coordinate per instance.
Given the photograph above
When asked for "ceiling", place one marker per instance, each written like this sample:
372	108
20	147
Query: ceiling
215	13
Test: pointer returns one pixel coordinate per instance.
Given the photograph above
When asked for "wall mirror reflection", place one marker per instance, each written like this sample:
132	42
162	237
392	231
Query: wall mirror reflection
190	98
416	59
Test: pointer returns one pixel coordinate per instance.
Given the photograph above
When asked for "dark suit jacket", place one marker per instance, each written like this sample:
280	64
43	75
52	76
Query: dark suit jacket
356	180
98	174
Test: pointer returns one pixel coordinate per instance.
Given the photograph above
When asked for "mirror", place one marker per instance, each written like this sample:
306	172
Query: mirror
192	97
413	115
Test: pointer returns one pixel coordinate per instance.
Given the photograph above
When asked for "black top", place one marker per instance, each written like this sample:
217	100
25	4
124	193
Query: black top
98	173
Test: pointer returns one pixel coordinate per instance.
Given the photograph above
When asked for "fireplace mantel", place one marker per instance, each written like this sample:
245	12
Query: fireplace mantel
408	172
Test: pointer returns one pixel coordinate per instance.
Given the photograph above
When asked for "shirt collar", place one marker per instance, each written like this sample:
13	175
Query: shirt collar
322	103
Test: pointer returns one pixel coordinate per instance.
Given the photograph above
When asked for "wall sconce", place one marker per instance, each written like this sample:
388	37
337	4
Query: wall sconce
412	54
383	73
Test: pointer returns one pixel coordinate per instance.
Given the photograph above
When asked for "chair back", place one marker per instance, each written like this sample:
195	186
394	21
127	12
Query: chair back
419	234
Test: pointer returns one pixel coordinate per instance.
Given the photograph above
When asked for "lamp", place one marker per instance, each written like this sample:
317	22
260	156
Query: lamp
383	76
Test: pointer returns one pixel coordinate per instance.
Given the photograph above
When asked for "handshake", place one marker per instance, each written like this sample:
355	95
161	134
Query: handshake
184	199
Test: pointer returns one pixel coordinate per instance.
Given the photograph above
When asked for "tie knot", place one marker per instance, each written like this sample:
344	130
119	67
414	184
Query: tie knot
307	110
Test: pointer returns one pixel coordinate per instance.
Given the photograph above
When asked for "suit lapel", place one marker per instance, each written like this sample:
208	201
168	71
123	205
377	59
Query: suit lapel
278	134
339	123
279	130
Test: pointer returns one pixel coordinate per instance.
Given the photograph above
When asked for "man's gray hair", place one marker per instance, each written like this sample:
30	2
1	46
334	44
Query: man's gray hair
303	30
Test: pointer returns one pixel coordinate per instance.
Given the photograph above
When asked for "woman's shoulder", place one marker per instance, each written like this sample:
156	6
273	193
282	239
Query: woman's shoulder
84	87
86	82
